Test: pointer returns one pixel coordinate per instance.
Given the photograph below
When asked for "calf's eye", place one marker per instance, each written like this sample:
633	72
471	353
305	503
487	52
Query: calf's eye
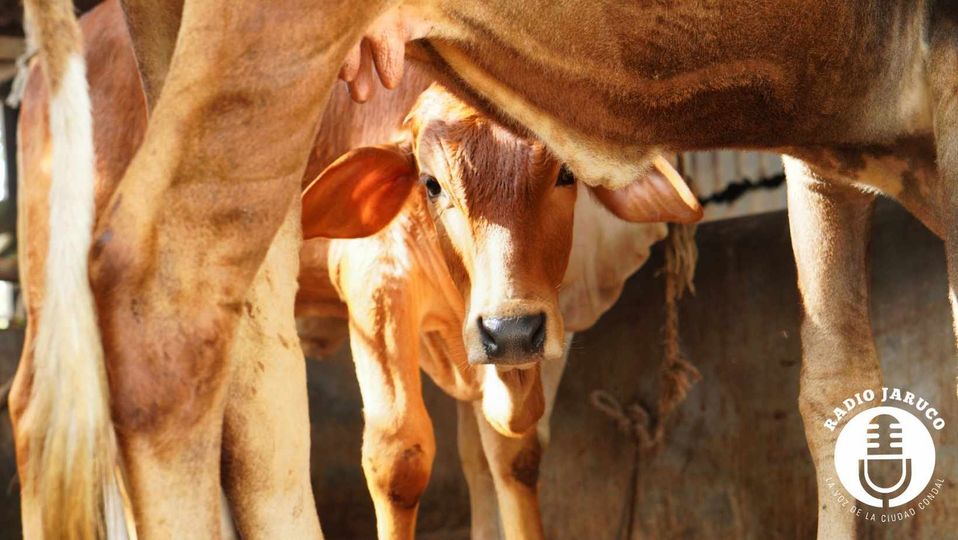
565	178
433	189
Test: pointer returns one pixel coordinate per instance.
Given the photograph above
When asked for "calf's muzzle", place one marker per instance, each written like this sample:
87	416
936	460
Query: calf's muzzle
512	340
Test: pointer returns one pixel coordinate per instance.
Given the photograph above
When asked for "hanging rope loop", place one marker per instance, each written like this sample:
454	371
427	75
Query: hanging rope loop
633	420
646	430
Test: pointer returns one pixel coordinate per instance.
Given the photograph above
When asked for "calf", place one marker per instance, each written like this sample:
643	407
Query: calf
453	283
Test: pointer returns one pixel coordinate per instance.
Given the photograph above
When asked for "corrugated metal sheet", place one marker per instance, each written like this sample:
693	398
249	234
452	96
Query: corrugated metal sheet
714	172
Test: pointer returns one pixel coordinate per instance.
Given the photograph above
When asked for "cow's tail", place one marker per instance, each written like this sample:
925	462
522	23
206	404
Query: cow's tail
73	459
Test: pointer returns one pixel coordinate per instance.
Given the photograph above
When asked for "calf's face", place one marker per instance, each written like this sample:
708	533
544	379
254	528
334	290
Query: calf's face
503	208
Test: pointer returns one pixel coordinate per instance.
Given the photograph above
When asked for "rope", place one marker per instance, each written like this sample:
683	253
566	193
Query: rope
676	374
735	190
632	420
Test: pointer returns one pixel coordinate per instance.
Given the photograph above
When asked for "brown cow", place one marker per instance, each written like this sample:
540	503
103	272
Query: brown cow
604	84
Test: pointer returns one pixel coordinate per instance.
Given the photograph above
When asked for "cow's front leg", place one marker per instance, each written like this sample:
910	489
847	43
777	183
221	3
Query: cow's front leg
189	227
266	429
830	225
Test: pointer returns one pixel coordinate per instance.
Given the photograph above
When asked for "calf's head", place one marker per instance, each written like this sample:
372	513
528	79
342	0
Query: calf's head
503	208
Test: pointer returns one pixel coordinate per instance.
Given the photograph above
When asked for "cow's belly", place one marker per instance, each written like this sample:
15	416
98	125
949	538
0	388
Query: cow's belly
628	79
904	171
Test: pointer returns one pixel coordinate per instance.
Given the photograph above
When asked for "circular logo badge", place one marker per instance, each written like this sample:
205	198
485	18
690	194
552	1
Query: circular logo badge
884	457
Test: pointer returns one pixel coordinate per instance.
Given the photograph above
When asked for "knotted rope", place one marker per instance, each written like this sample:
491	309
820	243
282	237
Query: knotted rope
676	373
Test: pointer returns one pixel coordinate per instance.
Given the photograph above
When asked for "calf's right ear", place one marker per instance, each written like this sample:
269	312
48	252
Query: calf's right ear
660	196
359	193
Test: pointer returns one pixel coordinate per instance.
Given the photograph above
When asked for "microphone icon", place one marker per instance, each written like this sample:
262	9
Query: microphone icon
884	461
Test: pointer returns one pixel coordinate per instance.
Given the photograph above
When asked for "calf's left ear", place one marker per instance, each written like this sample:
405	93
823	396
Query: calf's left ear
359	193
660	196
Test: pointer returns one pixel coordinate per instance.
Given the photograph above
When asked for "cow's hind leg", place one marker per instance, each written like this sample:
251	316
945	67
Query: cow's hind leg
943	76
189	227
153	26
266	428
830	225
18	401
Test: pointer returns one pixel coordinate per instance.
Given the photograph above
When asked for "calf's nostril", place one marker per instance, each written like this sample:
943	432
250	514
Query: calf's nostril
538	339
487	334
512	335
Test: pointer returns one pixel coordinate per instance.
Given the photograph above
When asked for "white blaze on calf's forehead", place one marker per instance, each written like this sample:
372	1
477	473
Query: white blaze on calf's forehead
495	251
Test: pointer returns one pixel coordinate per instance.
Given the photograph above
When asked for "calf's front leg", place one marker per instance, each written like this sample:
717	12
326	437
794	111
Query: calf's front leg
398	440
514	465
830	224
483	508
503	453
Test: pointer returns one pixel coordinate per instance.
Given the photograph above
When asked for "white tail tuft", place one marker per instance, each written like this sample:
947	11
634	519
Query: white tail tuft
73	458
